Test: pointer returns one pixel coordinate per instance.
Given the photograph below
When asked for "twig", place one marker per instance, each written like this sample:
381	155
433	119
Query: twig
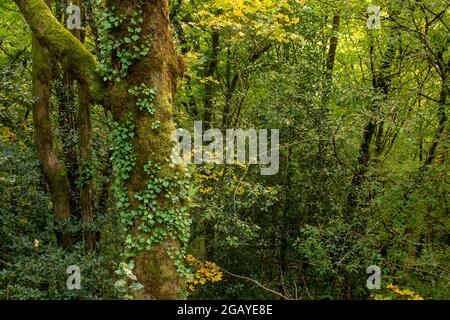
257	283
6	263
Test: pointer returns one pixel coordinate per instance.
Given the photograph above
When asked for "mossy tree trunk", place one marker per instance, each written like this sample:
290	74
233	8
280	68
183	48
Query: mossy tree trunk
85	136
152	143
54	172
153	187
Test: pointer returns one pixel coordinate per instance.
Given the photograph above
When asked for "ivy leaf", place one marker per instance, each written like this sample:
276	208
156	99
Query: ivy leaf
120	284
136	286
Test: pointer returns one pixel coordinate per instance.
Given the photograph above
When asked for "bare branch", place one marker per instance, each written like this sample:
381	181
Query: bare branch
257	283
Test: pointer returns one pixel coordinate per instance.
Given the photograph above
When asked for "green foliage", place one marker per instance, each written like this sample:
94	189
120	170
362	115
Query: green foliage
15	104
337	205
337	255
33	266
40	274
117	55
156	220
304	239
145	96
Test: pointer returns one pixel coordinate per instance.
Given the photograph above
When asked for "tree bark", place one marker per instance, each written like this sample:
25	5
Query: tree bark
442	116
331	57
54	173
86	182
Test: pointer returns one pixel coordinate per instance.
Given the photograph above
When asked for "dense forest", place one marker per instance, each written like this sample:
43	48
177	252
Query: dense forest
348	101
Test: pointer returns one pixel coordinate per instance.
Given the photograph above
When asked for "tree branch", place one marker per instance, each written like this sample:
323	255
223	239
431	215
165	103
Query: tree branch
63	46
257	283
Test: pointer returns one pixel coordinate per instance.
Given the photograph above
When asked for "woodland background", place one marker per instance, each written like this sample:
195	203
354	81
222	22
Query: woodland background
364	167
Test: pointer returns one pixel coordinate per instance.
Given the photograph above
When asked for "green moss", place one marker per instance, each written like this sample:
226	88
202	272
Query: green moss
63	45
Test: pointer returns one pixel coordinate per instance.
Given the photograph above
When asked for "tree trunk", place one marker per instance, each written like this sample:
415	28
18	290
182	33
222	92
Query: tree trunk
54	172
155	265
151	191
442	116
381	85
86	183
211	66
